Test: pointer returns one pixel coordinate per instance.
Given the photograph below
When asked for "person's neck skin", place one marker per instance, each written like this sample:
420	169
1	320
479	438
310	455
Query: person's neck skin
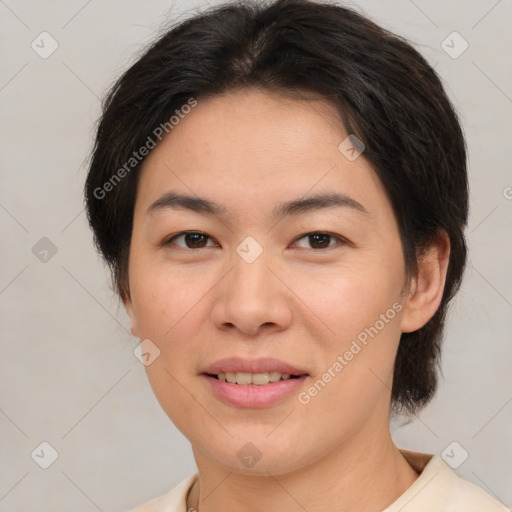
368	475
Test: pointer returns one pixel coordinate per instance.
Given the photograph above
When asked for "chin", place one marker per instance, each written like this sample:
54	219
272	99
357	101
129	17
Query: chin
256	455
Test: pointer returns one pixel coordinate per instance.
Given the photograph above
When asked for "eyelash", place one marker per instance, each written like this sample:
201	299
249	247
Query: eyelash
331	235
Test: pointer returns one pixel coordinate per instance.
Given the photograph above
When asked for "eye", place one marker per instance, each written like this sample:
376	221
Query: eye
318	240
191	240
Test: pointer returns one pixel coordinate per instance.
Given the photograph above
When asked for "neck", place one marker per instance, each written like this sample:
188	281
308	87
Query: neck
368	475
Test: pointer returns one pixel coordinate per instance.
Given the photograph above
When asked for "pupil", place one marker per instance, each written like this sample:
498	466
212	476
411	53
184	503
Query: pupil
319	238
194	239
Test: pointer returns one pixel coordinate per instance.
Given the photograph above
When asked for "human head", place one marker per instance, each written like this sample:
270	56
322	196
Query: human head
385	92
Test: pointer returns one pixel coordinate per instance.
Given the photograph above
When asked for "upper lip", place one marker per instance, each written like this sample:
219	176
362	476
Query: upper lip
261	365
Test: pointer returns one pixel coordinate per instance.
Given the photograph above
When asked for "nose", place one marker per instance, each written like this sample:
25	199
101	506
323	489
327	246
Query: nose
253	299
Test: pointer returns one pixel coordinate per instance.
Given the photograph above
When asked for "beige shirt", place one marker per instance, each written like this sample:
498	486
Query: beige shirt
437	489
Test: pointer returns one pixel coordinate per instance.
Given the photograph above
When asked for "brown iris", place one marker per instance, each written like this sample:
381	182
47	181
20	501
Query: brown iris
321	239
195	240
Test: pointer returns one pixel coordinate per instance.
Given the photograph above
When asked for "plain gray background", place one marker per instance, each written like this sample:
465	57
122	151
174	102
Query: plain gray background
68	373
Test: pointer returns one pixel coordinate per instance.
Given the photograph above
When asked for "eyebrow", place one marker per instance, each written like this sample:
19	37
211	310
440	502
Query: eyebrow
172	200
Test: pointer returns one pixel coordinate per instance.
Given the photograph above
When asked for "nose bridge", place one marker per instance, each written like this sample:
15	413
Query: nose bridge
251	295
250	260
251	280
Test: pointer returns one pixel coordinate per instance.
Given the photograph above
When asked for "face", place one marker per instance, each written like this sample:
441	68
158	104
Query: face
292	262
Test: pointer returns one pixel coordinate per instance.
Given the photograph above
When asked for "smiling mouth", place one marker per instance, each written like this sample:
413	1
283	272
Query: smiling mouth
255	379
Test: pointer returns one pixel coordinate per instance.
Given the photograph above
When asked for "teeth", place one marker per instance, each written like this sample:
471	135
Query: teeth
275	376
243	378
258	379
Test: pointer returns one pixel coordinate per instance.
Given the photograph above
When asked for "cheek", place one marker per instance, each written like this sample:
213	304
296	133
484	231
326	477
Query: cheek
170	307
169	312
163	303
342	302
356	329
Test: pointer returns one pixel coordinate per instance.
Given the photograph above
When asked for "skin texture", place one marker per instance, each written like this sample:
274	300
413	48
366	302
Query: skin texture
250	150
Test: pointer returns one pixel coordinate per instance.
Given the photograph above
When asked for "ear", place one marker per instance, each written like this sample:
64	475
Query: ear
128	305
427	287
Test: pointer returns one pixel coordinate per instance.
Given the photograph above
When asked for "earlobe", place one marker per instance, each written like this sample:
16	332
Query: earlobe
427	287
127	301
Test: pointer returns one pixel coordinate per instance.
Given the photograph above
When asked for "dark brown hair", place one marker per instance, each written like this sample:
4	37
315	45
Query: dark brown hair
385	91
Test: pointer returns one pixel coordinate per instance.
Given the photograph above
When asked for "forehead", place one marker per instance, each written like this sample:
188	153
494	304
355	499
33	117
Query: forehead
252	147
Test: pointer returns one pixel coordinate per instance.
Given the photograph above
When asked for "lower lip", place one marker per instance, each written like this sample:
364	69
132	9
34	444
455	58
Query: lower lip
253	396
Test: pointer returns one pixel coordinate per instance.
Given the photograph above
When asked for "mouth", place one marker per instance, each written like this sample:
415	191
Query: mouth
253	383
253	372
253	379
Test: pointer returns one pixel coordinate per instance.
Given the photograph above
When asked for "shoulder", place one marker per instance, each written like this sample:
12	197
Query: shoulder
172	501
439	488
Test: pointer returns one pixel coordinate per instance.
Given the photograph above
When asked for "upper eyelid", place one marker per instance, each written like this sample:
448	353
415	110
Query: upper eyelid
333	235
177	235
309	233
